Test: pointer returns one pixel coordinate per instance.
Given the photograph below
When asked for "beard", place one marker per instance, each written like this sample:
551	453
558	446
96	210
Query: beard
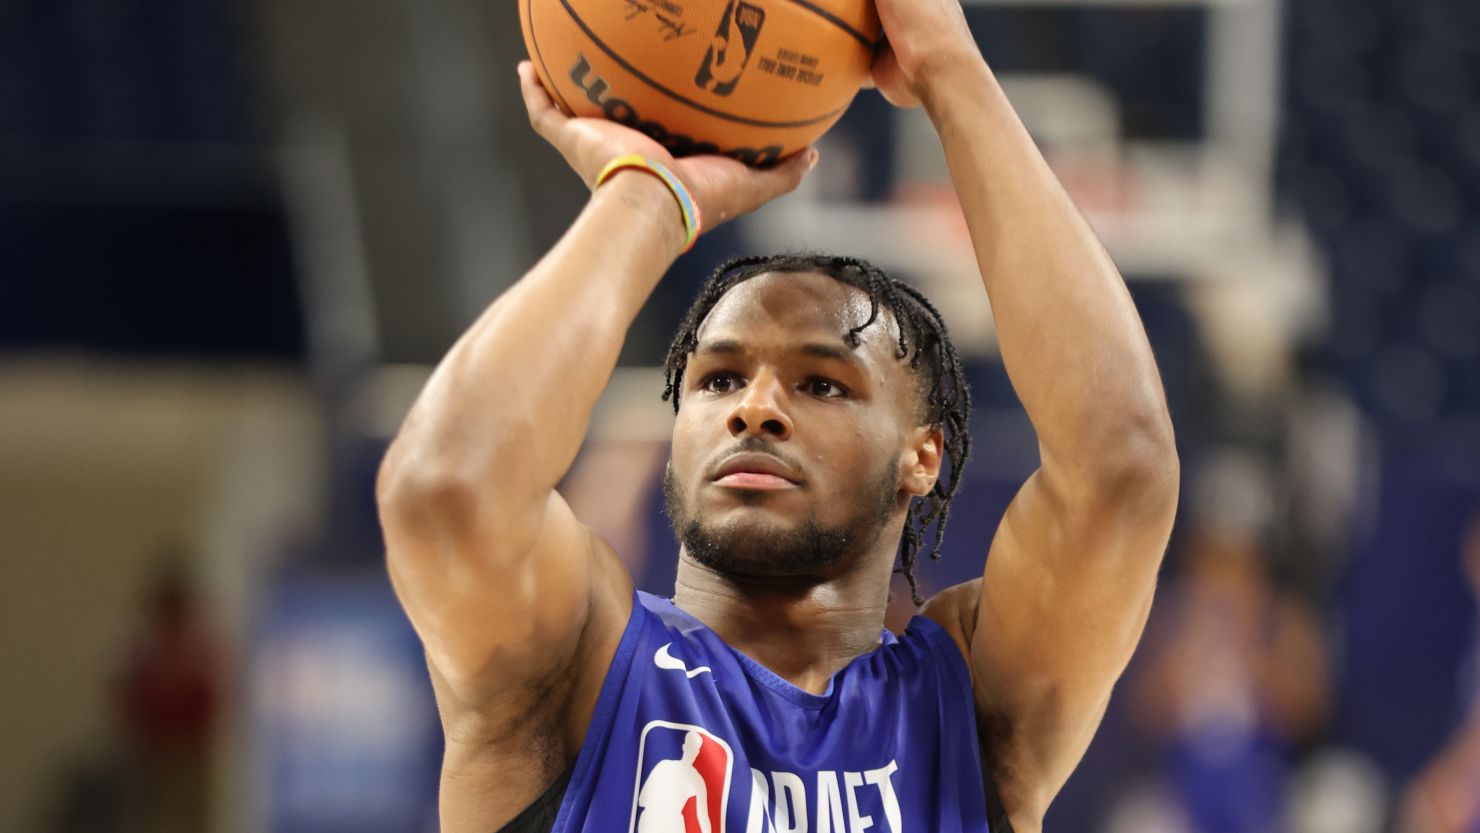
809	547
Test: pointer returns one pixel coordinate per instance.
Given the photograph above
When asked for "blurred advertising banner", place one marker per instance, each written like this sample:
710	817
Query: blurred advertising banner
344	720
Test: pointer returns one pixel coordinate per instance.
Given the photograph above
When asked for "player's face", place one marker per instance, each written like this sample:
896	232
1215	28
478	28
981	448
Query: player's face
821	424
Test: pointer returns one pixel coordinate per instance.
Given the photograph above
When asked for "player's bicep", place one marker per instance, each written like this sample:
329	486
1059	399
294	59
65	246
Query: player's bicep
496	606
1064	600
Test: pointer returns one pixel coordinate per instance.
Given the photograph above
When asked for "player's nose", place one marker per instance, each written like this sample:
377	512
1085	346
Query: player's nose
761	409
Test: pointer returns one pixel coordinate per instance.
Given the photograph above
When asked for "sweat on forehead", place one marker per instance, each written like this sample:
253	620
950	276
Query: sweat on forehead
800	302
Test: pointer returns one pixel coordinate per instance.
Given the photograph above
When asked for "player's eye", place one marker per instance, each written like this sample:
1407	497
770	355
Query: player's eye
825	388
722	382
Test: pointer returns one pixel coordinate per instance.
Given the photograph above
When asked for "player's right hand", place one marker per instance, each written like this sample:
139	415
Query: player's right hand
723	187
924	42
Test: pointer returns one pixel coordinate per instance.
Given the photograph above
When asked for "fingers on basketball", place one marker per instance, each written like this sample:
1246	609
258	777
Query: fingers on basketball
542	113
785	177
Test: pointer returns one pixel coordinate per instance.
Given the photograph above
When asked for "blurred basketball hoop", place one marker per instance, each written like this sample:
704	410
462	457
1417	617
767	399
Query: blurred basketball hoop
1196	209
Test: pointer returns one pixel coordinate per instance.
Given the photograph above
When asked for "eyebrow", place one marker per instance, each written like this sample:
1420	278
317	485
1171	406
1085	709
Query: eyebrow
833	352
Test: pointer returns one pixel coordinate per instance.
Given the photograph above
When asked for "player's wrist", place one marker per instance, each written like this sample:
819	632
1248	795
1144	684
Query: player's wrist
635	167
649	203
948	74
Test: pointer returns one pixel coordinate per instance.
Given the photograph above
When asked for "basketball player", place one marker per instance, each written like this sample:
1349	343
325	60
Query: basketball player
817	401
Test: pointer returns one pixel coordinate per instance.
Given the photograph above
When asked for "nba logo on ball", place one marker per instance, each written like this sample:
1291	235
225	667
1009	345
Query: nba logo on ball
729	51
683	780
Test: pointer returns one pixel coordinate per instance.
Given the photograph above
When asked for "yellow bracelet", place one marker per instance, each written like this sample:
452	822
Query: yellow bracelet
693	220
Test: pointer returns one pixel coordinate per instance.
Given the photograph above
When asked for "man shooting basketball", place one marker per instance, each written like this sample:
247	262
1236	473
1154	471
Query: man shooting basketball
817	400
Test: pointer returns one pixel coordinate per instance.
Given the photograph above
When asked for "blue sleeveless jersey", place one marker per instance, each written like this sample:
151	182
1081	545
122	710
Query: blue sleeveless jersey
690	736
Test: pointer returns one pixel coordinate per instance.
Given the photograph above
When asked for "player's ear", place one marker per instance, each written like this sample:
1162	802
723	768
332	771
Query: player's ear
921	461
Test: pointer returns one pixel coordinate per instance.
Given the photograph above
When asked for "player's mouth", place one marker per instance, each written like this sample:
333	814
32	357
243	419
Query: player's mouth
755	480
752	470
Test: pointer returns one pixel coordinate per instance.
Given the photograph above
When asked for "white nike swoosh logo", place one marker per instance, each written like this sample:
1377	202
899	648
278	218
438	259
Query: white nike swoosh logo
669	662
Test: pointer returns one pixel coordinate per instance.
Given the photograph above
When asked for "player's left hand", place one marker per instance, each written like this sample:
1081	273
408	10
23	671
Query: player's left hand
723	187
922	40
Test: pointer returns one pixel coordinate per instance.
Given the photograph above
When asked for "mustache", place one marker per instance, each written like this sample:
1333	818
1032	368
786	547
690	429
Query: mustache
759	445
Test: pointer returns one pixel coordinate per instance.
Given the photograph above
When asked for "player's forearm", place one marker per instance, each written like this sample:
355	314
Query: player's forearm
1070	337
509	405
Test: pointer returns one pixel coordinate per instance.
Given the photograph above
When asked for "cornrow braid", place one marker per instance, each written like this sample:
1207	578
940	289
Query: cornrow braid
945	399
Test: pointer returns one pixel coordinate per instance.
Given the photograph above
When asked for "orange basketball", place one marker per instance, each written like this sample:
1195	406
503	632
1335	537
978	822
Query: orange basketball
752	79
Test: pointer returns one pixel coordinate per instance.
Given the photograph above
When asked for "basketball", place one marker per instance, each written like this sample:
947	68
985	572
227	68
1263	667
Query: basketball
752	79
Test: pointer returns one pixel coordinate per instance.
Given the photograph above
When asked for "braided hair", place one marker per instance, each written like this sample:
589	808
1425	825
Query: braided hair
944	399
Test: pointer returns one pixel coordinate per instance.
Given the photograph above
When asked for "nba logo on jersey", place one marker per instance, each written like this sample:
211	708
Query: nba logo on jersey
683	780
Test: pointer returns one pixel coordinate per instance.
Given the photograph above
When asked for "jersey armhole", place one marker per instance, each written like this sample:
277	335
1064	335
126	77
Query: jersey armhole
943	643
612	685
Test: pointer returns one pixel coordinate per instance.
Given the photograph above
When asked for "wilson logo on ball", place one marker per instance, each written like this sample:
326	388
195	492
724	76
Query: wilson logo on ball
729	51
622	112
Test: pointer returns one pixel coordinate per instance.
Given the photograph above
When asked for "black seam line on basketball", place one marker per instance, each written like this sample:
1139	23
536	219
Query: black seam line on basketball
719	114
539	56
836	21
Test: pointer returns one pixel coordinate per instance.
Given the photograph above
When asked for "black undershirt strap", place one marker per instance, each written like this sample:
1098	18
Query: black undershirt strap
539	817
997	819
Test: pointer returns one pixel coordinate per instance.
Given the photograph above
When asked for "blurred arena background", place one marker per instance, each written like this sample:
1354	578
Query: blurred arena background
236	234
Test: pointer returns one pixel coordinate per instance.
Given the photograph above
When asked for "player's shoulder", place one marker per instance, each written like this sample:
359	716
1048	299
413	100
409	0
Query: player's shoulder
955	610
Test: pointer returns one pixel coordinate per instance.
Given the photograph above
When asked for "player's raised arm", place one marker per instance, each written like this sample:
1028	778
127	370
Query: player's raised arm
1070	574
498	577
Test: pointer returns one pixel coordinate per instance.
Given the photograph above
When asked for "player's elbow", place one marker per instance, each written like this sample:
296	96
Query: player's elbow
407	488
457	512
1139	473
450	506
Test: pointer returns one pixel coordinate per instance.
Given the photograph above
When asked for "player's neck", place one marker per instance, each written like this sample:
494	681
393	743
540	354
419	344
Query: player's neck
804	631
